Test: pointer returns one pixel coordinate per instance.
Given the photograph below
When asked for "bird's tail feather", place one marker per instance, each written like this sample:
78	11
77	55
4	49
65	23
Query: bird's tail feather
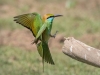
40	51
44	52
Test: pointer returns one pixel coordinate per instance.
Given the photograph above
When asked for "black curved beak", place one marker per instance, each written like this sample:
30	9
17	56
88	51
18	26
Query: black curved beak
58	15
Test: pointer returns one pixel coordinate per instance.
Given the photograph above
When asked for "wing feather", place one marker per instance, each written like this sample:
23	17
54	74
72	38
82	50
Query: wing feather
32	21
26	20
42	29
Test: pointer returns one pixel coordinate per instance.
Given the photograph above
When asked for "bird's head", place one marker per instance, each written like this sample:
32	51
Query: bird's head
50	17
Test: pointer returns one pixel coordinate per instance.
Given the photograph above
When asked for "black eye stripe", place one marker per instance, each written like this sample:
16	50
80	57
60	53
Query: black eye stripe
50	17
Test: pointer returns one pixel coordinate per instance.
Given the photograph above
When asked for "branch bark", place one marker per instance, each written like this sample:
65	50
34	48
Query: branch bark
81	52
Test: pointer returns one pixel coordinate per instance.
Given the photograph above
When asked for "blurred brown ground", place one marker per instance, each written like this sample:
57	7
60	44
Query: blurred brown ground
23	38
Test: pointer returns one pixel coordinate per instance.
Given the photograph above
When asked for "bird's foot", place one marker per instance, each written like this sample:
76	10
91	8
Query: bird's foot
54	34
34	41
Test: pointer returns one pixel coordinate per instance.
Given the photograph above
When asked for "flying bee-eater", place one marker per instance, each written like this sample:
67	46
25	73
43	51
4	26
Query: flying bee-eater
45	31
41	30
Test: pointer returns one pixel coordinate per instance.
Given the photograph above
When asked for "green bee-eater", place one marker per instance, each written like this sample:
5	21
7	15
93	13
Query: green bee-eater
45	31
41	30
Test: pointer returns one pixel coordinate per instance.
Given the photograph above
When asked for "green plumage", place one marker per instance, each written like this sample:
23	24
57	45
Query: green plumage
41	30
34	23
44	52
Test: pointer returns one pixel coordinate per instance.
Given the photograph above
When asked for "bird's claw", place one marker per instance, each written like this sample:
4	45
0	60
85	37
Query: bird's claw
34	41
54	34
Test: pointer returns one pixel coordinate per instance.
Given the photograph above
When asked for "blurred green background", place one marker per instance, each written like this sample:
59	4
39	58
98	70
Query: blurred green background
81	20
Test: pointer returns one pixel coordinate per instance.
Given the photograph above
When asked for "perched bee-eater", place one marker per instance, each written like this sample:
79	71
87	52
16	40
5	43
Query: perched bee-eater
41	30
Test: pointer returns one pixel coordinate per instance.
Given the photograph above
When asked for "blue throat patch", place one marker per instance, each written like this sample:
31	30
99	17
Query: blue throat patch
50	19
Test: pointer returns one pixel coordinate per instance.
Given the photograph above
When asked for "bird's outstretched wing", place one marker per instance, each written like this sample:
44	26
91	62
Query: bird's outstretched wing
27	20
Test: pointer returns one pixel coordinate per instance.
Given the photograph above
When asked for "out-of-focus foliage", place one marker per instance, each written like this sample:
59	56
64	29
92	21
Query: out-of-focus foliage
71	3
15	61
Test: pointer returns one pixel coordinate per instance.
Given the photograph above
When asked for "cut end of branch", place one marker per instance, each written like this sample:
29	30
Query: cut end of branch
81	52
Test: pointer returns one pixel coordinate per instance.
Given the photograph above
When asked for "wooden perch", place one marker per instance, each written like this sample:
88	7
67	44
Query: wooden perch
81	52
